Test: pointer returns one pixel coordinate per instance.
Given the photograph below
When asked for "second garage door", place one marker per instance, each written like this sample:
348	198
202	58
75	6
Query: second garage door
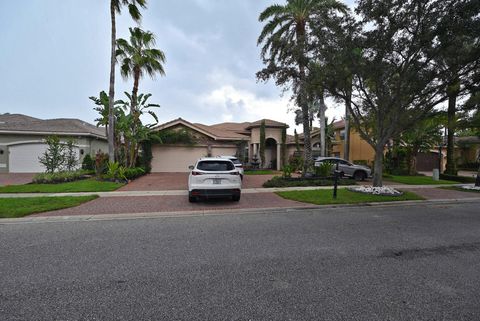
24	158
175	159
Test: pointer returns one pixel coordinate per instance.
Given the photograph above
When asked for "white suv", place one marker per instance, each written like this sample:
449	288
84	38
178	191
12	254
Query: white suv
238	164
214	178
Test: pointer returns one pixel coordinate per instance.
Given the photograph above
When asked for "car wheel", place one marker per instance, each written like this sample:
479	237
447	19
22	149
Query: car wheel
236	198
359	176
192	199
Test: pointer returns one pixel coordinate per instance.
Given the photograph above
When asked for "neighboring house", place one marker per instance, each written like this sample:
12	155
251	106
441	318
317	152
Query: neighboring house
467	150
219	139
22	140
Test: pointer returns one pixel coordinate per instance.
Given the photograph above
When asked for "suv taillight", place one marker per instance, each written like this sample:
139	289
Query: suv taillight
194	173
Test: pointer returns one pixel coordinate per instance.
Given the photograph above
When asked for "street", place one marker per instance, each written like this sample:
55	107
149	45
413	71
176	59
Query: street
410	262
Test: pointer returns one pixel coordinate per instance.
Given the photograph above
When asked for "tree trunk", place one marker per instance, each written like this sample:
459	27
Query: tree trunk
346	146
111	92
378	166
412	162
477	181
450	166
136	80
322	125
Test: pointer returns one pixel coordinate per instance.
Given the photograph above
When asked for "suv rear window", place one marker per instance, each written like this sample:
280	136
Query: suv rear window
215	166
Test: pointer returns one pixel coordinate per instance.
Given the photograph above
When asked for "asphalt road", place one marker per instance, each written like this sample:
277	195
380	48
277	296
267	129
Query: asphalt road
418	262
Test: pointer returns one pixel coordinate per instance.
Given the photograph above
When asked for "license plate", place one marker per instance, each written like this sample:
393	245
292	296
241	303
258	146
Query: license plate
217	181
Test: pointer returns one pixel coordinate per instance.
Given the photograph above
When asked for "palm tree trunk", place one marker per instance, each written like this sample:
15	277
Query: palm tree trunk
451	126
136	80
133	112
346	146
323	124
111	92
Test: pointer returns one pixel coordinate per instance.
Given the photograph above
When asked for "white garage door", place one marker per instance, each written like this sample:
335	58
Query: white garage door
24	158
175	159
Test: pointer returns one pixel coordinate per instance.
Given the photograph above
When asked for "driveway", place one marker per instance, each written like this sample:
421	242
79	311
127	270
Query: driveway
179	181
172	203
15	178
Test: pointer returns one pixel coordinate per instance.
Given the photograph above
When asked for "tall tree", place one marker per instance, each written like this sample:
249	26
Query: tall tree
116	8
458	53
286	51
395	82
138	57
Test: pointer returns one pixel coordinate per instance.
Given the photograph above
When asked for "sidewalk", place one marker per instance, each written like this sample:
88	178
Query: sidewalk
121	193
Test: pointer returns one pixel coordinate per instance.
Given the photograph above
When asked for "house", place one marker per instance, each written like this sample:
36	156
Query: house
219	139
22	140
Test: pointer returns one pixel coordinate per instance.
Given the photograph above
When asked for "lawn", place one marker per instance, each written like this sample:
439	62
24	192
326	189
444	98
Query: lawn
18	207
261	172
85	185
344	196
416	180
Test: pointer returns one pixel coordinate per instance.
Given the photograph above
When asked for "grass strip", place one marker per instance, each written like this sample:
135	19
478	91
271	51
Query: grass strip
344	196
85	185
416	180
19	207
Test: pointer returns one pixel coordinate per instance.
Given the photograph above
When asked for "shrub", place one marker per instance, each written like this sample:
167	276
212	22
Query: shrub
287	171
469	166
53	158
61	177
295	162
455	178
101	163
115	171
88	163
294	182
324	169
132	173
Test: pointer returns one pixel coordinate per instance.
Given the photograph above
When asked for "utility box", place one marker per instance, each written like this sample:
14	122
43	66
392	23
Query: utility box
436	174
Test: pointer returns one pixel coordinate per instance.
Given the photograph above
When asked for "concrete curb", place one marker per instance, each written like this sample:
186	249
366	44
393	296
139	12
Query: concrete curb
184	192
269	210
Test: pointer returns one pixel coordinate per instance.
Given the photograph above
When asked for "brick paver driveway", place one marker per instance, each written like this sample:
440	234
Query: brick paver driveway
15	178
152	204
179	181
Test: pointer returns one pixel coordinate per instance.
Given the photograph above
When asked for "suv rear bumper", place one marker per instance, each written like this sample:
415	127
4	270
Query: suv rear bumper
215	193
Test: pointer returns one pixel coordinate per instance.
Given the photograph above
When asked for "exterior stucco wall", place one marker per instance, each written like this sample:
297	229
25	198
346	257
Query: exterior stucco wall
87	144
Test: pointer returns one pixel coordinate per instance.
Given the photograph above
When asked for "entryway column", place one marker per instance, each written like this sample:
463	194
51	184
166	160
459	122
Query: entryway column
279	156
254	150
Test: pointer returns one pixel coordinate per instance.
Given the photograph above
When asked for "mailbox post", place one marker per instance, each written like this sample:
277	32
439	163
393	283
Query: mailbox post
336	174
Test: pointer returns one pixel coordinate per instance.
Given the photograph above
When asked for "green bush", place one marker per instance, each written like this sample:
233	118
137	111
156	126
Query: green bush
324	169
295	182
455	178
61	177
469	166
132	173
287	171
295	162
115	171
88	163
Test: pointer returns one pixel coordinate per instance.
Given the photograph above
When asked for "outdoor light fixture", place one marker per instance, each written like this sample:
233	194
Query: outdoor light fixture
82	151
1	151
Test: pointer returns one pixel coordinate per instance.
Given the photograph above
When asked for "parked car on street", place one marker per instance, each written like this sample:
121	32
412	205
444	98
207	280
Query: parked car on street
214	178
238	164
358	172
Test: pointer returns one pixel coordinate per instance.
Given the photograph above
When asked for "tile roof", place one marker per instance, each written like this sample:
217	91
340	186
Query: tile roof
225	131
19	123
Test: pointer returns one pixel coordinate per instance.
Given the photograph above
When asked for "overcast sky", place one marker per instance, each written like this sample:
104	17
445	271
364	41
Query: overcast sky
54	54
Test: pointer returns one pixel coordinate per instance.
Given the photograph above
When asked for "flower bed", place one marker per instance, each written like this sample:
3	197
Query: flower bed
384	190
471	187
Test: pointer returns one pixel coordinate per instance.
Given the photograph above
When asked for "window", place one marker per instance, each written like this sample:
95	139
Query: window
342	134
215	166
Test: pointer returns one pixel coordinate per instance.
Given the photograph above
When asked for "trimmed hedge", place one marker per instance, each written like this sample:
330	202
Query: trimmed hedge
460	179
61	177
278	181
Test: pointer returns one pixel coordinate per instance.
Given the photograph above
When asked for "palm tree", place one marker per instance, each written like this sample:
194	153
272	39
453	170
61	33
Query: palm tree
116	7
139	57
285	39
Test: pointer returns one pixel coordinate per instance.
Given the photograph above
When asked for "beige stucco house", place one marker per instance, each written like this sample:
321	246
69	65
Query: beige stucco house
22	140
219	139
